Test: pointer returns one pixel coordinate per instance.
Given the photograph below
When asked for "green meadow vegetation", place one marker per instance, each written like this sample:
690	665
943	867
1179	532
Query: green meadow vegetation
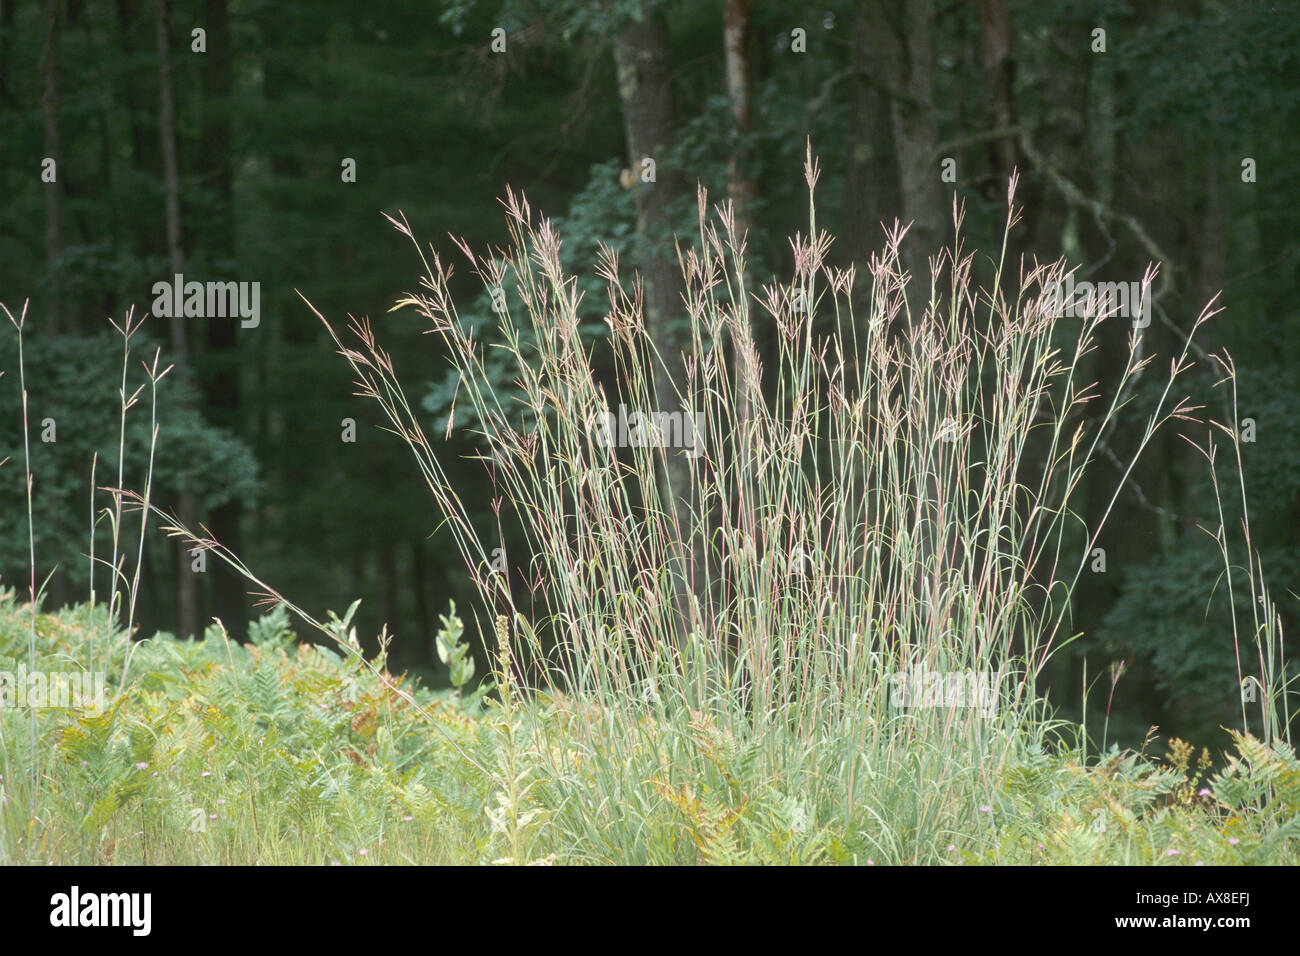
714	657
273	751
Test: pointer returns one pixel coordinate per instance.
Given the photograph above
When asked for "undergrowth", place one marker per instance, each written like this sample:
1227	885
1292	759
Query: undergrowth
271	750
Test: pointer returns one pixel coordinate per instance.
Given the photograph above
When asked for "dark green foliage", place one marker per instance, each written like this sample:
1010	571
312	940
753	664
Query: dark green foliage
75	382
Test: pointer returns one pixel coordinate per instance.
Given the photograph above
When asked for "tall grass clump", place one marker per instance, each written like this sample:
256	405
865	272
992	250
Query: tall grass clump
25	771
804	618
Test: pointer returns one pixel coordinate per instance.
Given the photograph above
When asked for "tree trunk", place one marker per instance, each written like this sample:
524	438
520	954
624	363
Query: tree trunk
998	63
870	176
641	56
134	94
187	596
6	31
420	591
738	40
53	150
904	44
738	48
218	373
645	89
388	584
999	75
903	40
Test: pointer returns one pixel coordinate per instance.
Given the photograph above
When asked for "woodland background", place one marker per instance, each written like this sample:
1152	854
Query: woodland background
226	165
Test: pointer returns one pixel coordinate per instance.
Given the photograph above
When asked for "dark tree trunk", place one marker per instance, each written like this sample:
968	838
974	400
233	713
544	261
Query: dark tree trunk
187	592
999	76
135	98
903	39
420	591
388	585
218	373
6	31
645	89
738	55
904	42
870	176
642	59
53	150
738	41
998	64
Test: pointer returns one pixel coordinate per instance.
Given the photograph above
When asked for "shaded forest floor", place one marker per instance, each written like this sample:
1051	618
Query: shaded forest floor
271	751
